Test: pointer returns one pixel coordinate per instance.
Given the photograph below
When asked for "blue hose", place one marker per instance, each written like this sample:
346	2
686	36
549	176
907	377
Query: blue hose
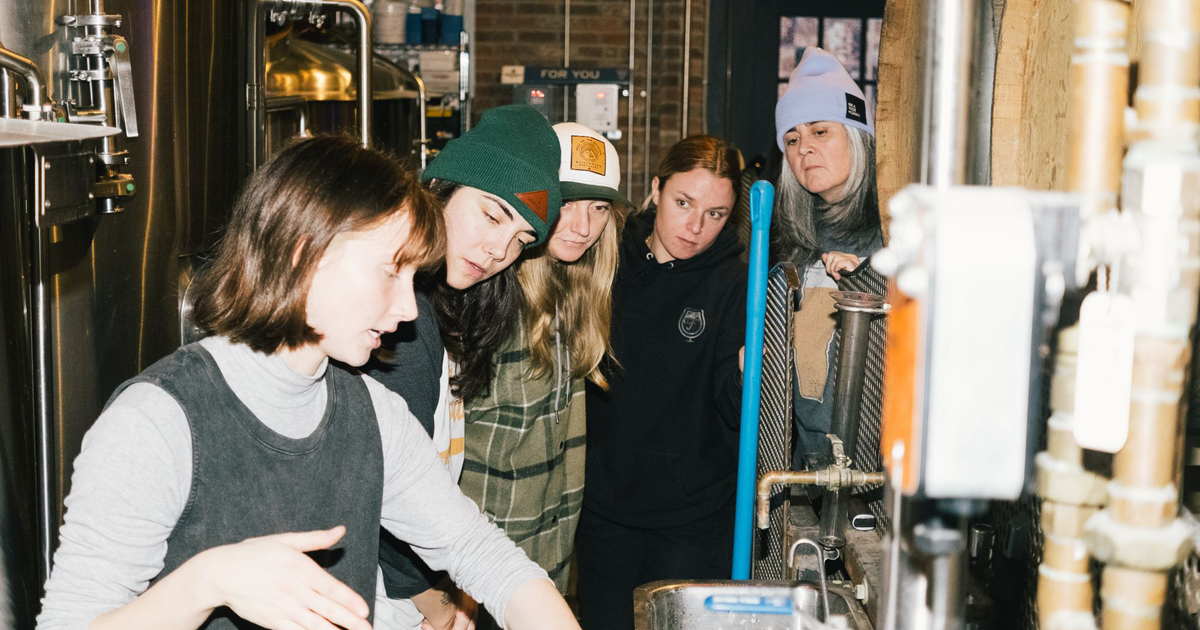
762	199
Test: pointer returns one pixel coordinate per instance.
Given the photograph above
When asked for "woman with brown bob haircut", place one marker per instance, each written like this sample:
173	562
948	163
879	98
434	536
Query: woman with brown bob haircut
208	479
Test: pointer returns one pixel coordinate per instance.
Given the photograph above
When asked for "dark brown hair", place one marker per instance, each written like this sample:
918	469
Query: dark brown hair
474	322
711	154
301	199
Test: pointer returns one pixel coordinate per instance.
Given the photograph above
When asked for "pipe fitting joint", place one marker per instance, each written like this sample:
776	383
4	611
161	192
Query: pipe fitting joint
1141	548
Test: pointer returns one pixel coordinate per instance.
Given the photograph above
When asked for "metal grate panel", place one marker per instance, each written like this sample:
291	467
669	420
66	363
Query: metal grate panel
775	415
1183	592
1015	560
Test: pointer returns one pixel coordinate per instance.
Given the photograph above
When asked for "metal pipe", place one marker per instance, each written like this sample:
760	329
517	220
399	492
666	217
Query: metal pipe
774	478
629	105
45	444
1098	90
424	124
566	57
649	84
1070	496
365	54
465	71
35	86
687	67
254	89
1162	276
7	98
897	562
704	75
947	584
255	66
857	311
820	569
1099	82
950	31
978	169
856	315
831	476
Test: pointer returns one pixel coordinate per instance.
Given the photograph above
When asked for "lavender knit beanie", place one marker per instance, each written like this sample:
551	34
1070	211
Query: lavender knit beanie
821	89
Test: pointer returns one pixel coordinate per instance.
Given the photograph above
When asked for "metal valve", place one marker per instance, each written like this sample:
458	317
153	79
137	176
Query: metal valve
99	90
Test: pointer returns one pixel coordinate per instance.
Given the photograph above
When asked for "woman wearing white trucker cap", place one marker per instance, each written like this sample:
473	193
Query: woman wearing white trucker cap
524	438
826	219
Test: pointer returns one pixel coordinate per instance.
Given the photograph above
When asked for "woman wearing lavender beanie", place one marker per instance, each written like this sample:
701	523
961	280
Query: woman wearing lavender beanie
826	220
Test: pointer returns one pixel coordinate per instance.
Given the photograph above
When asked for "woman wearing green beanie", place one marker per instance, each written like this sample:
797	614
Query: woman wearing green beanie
525	434
499	183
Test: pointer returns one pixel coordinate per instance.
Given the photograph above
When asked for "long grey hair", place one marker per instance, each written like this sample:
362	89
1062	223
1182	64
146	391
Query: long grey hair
803	220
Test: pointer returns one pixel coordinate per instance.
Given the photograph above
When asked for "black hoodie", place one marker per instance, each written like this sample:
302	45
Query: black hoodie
662	442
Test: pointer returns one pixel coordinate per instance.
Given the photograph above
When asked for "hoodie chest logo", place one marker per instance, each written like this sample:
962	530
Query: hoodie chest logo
691	323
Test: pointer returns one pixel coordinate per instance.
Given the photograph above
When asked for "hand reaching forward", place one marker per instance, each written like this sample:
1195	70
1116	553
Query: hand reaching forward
271	582
268	581
462	619
446	608
837	262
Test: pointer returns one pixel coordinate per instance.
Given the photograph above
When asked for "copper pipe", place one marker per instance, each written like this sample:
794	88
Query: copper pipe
1098	88
256	11
774	477
1162	179
832	476
1133	600
1099	82
1070	496
1165	100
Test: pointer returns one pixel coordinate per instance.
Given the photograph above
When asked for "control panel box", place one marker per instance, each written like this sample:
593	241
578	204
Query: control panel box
596	106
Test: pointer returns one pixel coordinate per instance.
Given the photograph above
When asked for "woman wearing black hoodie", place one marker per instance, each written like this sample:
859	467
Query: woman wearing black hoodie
662	441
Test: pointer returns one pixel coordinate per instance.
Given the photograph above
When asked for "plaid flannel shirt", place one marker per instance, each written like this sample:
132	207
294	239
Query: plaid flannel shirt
525	457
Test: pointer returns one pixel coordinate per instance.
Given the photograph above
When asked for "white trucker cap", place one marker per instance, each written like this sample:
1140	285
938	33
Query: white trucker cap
589	168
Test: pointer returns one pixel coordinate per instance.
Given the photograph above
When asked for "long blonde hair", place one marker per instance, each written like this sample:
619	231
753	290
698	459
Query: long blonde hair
580	293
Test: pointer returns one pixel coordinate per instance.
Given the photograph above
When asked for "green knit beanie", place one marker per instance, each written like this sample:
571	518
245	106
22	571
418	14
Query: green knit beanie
512	153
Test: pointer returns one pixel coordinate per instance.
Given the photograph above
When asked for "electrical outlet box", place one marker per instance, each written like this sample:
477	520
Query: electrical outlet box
596	106
543	98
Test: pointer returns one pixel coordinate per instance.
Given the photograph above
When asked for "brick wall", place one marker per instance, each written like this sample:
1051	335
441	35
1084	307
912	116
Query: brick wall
531	32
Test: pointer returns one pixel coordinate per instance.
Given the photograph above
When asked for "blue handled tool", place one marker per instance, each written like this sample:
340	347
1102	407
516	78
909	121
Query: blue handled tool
762	199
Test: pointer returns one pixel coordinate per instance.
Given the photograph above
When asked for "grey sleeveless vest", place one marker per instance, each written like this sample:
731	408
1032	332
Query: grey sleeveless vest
249	481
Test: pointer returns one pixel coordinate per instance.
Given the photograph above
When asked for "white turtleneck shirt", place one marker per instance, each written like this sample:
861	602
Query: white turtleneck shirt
133	476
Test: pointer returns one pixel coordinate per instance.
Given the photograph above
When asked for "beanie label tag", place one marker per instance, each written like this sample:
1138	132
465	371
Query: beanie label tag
538	201
587	154
856	109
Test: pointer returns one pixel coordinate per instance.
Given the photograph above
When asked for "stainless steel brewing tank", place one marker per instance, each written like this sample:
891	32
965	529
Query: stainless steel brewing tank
113	284
323	77
46	211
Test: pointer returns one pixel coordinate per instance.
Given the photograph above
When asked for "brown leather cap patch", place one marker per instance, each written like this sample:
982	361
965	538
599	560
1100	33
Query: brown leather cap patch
587	154
538	201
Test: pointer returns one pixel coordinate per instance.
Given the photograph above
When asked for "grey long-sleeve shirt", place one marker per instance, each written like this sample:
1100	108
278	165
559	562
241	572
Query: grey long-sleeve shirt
133	476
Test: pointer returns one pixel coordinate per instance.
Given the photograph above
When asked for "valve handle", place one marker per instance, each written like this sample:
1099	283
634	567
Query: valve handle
123	86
